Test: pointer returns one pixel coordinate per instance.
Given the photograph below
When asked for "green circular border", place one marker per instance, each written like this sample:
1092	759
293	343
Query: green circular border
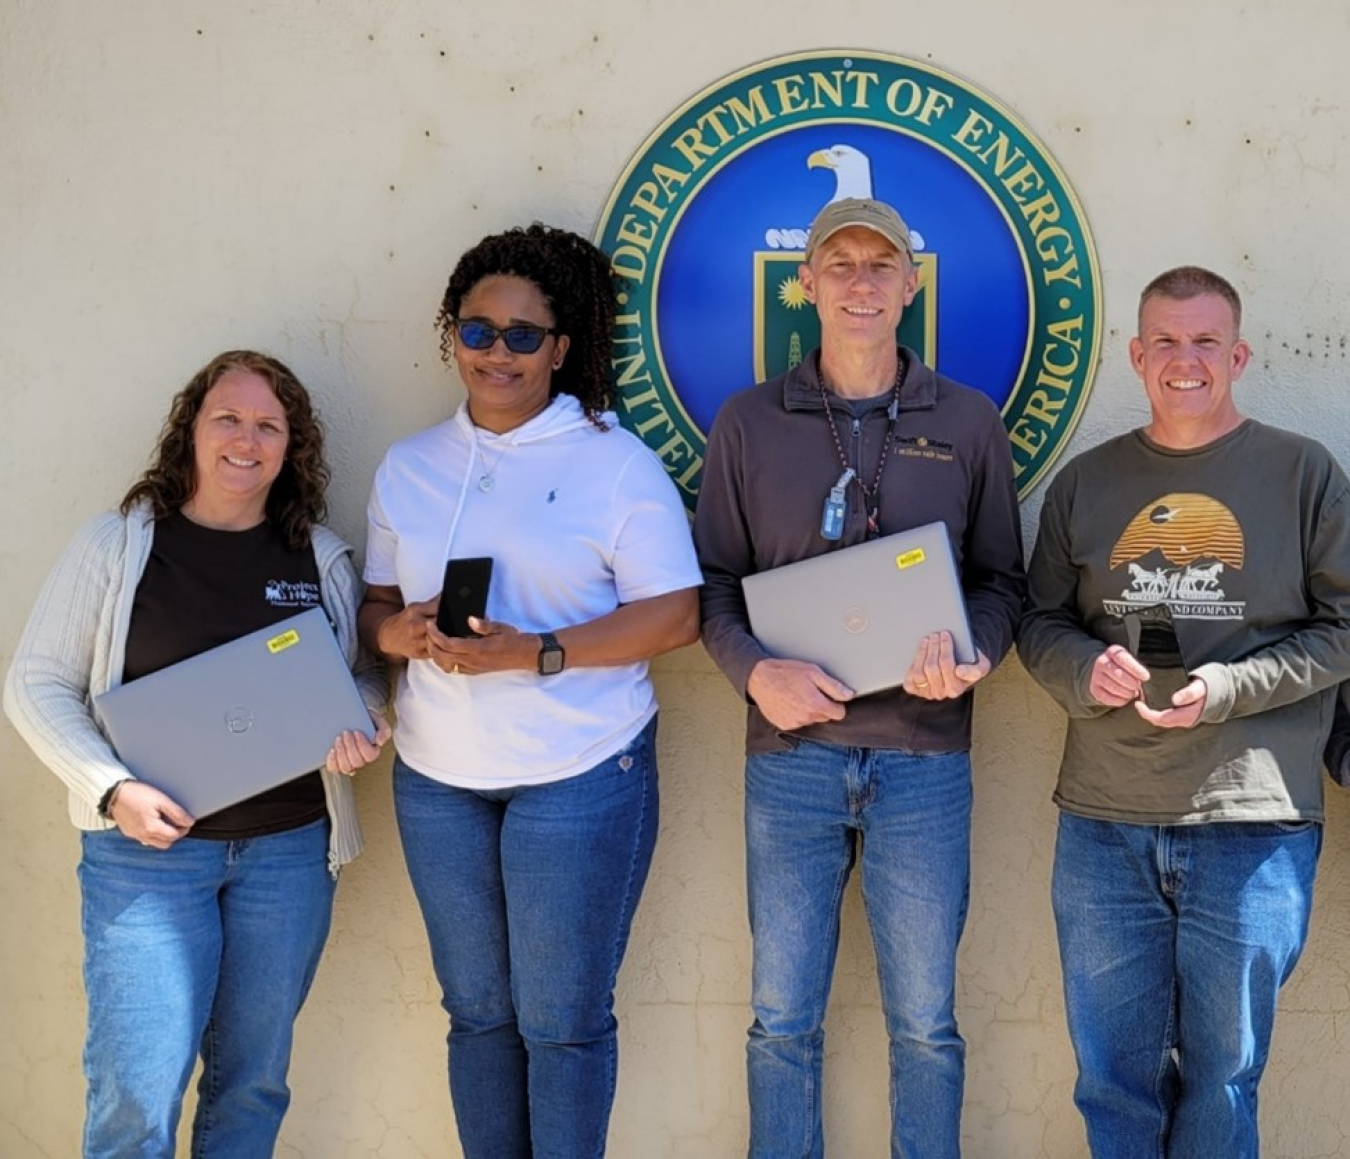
1068	391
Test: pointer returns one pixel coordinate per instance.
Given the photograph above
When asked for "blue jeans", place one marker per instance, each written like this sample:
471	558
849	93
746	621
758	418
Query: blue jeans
1174	941
806	811
528	895
207	946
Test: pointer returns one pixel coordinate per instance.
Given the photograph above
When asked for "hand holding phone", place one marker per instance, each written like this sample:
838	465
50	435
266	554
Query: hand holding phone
464	593
1151	637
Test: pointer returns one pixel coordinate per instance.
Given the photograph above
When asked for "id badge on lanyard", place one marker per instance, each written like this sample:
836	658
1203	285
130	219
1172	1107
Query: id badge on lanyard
836	507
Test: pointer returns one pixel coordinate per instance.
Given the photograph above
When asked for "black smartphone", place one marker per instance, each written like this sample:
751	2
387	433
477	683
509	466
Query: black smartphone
463	594
1151	637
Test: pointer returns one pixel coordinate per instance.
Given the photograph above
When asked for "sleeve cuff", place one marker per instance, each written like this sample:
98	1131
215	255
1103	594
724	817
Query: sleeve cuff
1219	692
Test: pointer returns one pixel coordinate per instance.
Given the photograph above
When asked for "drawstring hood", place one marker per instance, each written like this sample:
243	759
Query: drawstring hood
562	416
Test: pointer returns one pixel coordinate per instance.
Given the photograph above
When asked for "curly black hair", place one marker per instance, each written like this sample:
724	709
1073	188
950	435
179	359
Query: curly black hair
579	287
295	501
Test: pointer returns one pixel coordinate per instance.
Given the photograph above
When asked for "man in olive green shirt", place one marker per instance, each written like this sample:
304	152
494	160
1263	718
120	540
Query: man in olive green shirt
1218	549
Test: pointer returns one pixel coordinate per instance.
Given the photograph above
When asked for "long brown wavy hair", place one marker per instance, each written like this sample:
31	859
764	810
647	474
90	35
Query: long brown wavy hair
295	501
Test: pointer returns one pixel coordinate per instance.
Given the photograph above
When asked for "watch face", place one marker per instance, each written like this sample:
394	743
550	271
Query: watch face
551	655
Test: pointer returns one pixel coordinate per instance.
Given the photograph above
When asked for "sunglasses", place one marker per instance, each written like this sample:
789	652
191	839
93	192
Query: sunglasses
520	339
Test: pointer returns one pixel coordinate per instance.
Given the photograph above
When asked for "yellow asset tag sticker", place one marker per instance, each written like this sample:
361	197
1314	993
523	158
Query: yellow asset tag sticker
285	640
909	558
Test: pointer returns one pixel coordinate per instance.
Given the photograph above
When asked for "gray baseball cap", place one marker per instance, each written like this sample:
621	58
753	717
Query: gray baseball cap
861	211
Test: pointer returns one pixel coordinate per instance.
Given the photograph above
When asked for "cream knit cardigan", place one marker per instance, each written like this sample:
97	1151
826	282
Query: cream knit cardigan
73	647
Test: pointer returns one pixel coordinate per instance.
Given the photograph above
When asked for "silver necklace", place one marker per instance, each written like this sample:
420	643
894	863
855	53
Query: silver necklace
488	479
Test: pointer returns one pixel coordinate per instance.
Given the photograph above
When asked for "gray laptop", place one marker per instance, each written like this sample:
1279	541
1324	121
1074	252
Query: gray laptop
860	612
237	720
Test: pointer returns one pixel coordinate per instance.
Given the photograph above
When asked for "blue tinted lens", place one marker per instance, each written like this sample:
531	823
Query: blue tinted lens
476	335
479	335
524	339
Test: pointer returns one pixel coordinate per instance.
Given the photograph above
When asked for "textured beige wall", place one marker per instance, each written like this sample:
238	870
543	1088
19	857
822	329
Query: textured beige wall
177	177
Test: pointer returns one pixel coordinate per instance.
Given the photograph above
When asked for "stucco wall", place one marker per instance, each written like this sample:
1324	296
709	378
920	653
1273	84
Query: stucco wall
182	177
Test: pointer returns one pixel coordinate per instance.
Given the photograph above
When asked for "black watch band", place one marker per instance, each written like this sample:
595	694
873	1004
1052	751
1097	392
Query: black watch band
109	799
551	654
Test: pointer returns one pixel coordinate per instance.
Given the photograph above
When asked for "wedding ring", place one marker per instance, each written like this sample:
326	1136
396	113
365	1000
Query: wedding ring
921	684
455	668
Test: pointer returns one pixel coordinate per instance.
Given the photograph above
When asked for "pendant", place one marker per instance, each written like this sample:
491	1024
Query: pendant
486	482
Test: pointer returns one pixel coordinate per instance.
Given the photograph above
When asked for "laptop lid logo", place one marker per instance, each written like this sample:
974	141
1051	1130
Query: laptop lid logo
855	619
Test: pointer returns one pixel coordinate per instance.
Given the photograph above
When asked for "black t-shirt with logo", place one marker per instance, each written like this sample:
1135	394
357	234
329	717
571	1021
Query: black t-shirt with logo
203	588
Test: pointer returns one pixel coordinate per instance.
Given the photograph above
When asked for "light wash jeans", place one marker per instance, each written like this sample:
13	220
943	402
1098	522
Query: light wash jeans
207	946
807	811
528	895
1174	942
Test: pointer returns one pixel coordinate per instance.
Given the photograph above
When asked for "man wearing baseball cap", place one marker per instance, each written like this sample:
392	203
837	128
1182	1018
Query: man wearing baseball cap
858	441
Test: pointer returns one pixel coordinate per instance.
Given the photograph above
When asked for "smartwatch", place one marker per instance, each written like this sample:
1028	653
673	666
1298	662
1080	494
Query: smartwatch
551	654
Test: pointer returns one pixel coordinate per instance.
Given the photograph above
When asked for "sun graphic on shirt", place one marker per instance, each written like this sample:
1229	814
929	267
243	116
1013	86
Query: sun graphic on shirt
791	294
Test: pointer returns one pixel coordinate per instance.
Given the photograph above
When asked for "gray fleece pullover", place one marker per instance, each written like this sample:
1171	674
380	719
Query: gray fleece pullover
771	462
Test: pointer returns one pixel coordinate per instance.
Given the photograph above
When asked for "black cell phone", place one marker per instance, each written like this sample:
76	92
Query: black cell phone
463	594
1151	637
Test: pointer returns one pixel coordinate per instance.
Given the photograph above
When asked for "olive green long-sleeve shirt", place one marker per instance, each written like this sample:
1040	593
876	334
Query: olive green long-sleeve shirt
1247	540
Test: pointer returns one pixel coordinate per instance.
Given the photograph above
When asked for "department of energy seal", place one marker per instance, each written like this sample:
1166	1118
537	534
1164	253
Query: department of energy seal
707	226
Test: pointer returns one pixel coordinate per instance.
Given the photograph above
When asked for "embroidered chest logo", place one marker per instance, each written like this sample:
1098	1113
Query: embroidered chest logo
922	447
1177	551
286	594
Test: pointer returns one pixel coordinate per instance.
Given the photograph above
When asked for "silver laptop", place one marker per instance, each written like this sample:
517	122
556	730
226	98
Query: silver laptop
860	612
237	720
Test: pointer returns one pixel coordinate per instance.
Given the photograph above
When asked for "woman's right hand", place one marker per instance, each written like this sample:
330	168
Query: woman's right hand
146	815
404	634
392	629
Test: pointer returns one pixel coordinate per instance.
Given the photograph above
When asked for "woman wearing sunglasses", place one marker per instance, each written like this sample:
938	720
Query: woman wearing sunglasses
525	784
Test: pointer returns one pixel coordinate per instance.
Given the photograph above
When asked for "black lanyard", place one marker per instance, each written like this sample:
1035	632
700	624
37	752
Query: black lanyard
836	502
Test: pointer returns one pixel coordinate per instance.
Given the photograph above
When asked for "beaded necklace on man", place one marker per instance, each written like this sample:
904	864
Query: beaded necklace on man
836	503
